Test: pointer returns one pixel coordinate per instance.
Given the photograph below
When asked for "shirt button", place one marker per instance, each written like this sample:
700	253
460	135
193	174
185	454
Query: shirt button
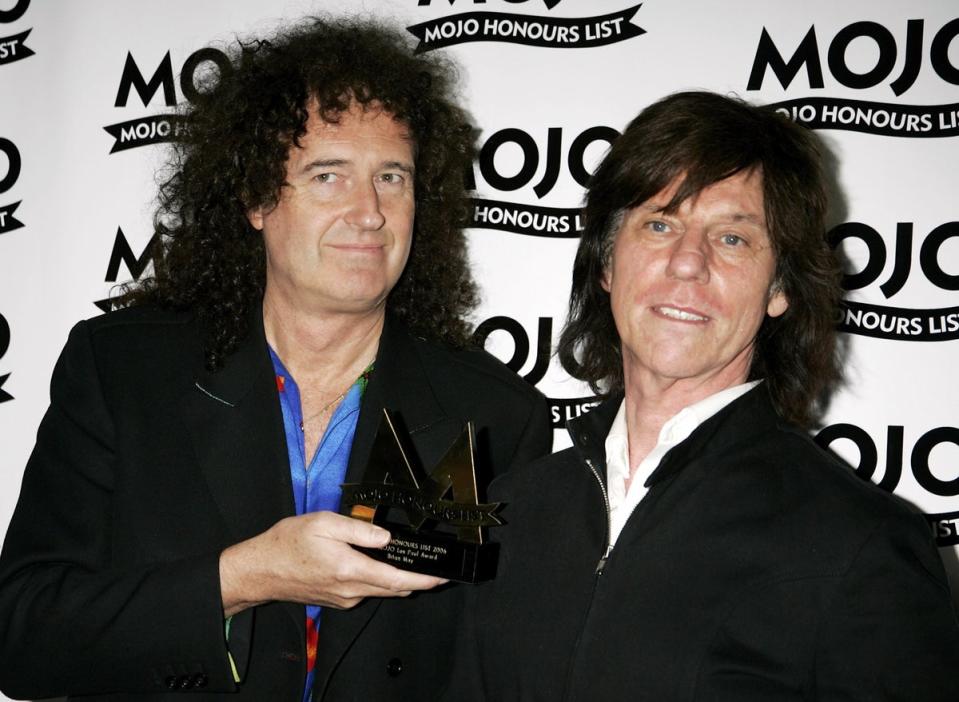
394	667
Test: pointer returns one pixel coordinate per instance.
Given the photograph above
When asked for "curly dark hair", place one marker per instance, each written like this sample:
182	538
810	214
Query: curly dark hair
230	157
704	138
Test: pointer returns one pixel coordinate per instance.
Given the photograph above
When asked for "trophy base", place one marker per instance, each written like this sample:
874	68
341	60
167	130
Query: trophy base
436	554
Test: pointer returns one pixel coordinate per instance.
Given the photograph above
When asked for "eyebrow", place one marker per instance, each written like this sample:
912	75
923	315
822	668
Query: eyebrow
338	162
748	217
653	207
325	163
399	165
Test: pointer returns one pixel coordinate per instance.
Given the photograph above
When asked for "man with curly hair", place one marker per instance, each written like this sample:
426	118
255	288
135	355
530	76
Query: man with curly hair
708	549
178	524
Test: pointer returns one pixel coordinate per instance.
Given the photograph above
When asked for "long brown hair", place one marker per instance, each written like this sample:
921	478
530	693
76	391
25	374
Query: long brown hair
704	138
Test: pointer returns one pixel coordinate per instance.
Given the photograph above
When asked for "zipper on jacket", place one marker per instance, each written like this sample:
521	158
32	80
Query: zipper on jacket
609	547
571	666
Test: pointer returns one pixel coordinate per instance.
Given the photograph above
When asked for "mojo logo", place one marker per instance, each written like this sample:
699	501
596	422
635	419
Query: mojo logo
886	119
196	75
533	220
939	324
561	409
530	30
123	253
9	150
14	47
4	345
919	457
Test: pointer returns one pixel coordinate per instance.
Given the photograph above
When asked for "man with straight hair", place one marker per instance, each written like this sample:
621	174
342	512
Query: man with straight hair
694	543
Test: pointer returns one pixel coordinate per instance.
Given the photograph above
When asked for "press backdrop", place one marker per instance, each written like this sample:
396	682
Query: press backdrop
86	89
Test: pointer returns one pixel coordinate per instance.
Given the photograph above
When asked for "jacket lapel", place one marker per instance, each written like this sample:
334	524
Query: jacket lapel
588	432
234	420
400	383
744	418
747	416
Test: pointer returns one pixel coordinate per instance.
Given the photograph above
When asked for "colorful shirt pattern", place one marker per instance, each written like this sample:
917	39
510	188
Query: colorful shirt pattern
316	483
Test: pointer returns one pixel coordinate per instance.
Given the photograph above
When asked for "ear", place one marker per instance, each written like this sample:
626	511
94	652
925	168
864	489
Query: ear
778	303
255	217
606	280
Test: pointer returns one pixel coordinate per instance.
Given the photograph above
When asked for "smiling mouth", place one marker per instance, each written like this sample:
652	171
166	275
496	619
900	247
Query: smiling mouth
359	248
678	314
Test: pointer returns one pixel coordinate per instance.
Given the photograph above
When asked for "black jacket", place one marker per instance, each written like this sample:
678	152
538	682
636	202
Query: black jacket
756	568
147	466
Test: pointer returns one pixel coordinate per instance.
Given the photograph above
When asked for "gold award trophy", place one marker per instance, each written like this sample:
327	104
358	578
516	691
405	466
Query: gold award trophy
436	522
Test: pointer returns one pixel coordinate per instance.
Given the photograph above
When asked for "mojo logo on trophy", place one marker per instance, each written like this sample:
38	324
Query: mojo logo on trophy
200	70
529	30
886	45
431	533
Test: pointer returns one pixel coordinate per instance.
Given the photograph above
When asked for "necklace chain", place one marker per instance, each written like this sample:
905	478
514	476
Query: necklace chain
324	408
364	376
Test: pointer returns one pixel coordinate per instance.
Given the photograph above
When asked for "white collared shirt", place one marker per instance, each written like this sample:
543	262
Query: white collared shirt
622	502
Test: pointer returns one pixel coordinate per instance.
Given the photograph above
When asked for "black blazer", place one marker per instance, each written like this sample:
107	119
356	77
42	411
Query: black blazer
756	569
147	466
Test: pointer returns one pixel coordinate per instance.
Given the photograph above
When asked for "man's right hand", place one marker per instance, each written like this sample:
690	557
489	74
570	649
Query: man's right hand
309	559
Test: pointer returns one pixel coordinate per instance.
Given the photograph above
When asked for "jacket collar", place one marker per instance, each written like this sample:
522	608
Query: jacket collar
588	431
225	406
237	377
234	417
400	383
742	420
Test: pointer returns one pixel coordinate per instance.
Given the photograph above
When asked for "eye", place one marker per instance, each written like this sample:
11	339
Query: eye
733	240
392	178
657	226
326	177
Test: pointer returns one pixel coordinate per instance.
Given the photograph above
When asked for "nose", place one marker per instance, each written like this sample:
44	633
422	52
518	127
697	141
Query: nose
689	258
364	212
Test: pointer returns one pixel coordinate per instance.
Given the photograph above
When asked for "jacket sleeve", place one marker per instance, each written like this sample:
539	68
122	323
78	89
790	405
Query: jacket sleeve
74	621
537	437
891	632
468	679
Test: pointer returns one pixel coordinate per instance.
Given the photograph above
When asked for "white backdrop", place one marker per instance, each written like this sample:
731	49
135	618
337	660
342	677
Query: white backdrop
878	78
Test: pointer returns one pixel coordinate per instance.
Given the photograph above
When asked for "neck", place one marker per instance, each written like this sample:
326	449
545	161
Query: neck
322	349
653	401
